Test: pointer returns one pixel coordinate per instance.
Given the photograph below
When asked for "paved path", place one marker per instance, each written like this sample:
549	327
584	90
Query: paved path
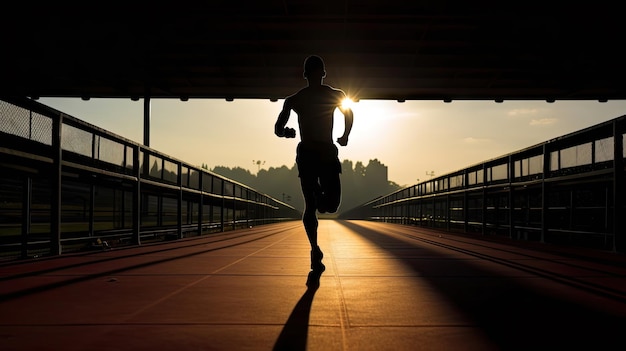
386	287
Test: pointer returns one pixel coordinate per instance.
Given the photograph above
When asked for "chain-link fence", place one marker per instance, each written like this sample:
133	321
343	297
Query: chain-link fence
25	123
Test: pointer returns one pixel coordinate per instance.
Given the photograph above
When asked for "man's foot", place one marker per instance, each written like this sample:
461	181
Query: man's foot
316	260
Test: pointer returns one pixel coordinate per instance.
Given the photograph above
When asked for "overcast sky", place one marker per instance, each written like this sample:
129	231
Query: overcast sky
411	138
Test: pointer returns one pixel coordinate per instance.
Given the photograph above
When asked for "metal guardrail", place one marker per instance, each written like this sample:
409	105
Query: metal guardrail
67	186
566	191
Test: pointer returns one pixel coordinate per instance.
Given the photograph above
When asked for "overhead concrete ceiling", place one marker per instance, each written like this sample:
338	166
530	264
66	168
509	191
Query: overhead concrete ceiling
393	50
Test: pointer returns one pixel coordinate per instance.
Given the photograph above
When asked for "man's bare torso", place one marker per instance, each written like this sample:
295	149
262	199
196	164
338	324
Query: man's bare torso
315	107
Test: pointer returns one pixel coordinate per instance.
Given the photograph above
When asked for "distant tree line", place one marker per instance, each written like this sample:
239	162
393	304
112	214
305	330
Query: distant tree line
359	183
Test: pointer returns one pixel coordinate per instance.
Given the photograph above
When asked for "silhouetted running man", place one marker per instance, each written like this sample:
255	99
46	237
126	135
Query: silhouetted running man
316	156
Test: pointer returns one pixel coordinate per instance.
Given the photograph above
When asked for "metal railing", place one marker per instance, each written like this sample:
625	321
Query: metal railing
67	186
566	191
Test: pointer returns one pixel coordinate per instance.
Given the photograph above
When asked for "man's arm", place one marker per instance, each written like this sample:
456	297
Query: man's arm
283	118
348	121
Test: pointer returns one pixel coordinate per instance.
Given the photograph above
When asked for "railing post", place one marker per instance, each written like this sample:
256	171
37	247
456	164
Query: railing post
200	201
222	207
234	223
55	184
26	214
511	202
465	202
179	214
448	212
484	202
544	193
618	189
92	208
136	239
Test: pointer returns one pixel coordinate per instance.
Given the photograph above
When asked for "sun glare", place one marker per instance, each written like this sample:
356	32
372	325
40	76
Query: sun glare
347	103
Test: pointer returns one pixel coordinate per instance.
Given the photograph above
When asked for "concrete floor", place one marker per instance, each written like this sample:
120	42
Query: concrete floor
386	287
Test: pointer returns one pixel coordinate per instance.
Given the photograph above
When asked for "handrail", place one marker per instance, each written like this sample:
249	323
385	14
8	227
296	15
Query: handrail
539	189
95	182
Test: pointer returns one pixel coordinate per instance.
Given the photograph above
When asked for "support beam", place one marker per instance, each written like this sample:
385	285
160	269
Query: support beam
146	120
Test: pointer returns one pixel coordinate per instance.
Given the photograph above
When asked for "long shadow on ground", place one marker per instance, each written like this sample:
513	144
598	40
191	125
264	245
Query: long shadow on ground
293	337
513	316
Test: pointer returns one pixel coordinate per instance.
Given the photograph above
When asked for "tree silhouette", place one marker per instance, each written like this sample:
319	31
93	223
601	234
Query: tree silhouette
359	183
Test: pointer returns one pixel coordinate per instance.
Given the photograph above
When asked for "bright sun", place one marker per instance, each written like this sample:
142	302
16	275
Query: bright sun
347	103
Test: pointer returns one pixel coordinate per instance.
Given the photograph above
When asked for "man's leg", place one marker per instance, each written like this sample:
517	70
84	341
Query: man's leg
331	190
309	188
309	219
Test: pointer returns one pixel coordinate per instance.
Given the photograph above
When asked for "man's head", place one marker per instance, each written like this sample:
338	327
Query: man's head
314	65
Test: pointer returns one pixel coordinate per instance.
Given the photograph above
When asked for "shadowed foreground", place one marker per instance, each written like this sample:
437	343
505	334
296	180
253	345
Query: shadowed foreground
386	287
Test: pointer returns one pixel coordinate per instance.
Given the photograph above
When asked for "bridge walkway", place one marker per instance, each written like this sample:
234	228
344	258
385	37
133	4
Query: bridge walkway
386	287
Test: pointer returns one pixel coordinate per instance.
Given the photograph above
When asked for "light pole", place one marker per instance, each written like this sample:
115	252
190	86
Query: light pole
258	163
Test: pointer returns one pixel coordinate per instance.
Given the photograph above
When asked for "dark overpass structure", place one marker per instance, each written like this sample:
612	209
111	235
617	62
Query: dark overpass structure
395	50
